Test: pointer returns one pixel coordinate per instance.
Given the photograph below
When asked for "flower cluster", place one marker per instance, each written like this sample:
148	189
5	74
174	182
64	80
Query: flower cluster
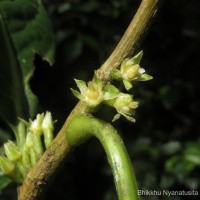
94	93
32	138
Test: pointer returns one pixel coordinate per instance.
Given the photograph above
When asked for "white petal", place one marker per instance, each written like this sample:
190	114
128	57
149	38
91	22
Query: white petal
141	70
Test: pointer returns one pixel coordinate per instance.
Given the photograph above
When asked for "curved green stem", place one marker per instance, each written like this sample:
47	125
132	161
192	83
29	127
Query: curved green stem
83	127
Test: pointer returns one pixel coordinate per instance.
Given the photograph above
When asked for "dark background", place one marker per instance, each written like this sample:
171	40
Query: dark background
164	143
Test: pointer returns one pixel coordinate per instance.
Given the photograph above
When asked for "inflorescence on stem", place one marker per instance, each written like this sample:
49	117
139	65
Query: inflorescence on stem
94	93
32	139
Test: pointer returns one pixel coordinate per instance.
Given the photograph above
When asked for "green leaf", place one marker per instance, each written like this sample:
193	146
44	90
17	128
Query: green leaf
179	166
13	102
144	77
129	118
116	117
137	58
116	74
4	181
111	92
31	31
192	153
81	85
128	85
77	94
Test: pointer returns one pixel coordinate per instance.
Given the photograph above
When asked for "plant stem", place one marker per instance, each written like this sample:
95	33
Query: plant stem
132	38
38	178
128	44
84	127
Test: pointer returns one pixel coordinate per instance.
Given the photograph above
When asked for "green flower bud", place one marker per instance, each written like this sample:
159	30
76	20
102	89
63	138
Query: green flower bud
125	106
29	140
130	70
29	145
36	125
48	122
20	134
12	151
26	161
92	94
48	128
38	147
6	166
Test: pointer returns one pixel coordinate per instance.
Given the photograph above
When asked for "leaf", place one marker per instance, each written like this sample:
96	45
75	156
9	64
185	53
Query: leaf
192	153
31	31
13	102
144	77
111	92
137	58
127	84
81	85
77	94
116	74
116	117
4	182
129	118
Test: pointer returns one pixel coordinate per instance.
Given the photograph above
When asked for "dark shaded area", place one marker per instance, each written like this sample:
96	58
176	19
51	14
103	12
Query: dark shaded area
164	143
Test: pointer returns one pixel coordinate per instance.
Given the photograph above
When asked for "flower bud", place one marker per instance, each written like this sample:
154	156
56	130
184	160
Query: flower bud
125	106
36	125
29	140
21	134
47	122
9	169
92	94
12	151
6	166
26	158
130	70
48	128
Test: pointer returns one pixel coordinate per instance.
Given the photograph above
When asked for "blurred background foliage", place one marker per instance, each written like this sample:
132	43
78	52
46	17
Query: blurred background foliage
164	143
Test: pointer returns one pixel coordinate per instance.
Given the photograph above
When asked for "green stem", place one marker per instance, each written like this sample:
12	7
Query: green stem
84	127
